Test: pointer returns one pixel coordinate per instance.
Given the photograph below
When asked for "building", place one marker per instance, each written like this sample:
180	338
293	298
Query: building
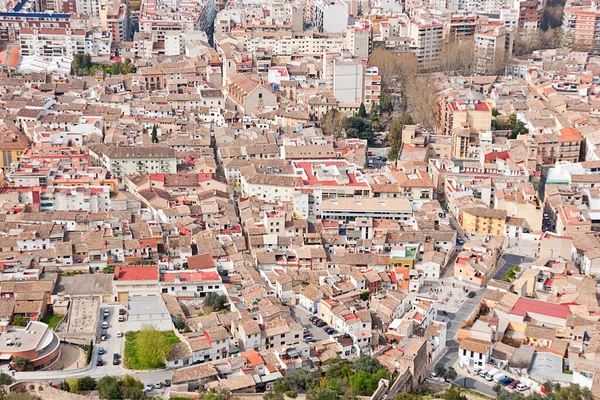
134	160
427	36
12	22
36	341
483	220
581	28
12	144
330	16
200	283
114	19
52	42
493	46
349	209
135	281
249	96
348	81
148	310
372	89
474	352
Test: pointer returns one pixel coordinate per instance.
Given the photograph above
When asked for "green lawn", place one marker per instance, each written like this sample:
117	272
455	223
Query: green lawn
132	359
52	321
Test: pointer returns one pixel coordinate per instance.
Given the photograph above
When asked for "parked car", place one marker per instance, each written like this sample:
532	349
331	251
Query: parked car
321	324
328	329
513	384
101	350
307	335
312	318
103	336
499	377
483	372
471	295
477	370
522	387
119	334
116	359
121	311
99	363
106	312
506	381
149	387
158	385
489	376
104	325
121	318
167	382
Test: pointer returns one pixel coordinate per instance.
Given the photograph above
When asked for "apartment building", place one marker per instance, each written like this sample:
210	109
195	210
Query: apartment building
114	18
134	160
466	112
12	22
52	42
12	144
483	220
372	90
427	36
581	28
330	15
493	46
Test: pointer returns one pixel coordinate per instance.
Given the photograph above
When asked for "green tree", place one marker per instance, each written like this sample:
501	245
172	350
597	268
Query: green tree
511	274
451	374
273	396
374	117
90	351
22	363
495	112
517	127
215	301
154	134
394	136
109	388
338	368
453	393
153	347
362	111
64	386
365	295
180	322
21	396
367	364
132	393
385	103
323	394
129	381
18	320
441	371
6	379
87	383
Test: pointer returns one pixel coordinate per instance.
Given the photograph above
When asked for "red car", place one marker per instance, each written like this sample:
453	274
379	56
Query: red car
514	384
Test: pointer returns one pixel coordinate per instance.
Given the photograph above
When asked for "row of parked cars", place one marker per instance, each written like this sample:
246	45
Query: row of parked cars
498	377
151	386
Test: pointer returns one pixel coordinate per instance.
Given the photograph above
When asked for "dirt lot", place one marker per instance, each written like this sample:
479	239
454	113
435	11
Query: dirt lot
71	357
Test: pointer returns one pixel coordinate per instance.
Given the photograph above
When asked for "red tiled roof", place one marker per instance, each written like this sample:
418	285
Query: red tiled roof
190	276
201	261
524	305
136	273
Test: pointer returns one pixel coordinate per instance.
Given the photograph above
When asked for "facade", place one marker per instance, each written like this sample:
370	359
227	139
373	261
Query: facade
52	42
483	220
330	16
580	29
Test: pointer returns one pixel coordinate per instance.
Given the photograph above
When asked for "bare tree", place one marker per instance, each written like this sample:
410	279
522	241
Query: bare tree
457	57
333	123
422	97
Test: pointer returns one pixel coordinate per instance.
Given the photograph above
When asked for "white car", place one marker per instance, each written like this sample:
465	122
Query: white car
104	325
521	387
119	334
149	387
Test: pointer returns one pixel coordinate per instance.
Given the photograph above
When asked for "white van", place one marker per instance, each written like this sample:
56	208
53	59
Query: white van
490	375
499	377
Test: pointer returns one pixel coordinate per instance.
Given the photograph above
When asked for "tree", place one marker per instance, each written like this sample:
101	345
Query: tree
180	322
359	127
495	112
385	103
511	274
333	123
18	320
323	394
109	388
215	301
364	296
154	134
441	371
394	136
22	363
21	396
457	57
64	386
273	396
153	347
421	97
517	127
132	393
451	374
453	393
362	111
87	383
367	364
374	117
90	351
338	368
6	379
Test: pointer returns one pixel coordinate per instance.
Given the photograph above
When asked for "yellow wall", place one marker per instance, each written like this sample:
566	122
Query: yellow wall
15	155
486	226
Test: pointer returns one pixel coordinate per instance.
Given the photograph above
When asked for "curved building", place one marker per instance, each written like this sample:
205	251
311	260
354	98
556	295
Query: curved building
36	341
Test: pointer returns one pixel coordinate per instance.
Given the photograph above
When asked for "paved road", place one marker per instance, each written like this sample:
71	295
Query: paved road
112	344
301	316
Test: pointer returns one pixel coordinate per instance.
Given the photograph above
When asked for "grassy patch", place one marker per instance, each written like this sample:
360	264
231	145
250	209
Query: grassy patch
52	321
132	349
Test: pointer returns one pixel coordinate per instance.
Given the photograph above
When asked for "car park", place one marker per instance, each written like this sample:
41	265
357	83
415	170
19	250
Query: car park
149	387
513	384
